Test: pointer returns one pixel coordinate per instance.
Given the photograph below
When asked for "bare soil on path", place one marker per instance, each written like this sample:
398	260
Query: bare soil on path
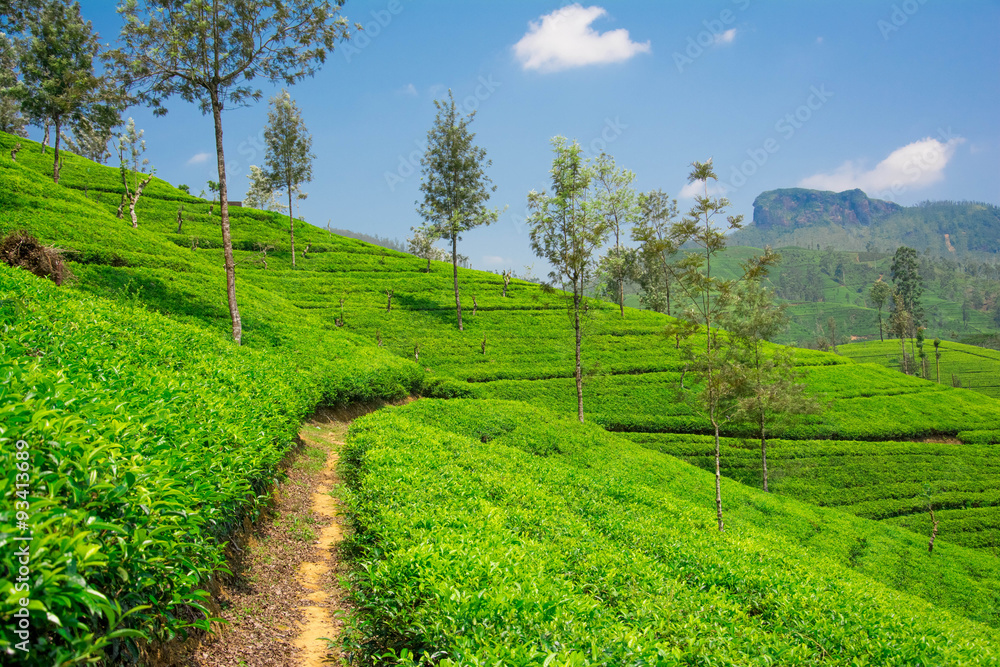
285	599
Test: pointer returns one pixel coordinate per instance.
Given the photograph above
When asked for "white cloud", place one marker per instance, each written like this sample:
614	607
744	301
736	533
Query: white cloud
726	37
697	189
493	260
915	165
409	90
199	158
565	39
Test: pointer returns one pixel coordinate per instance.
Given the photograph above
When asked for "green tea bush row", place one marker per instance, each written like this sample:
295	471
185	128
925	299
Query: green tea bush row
509	547
148	442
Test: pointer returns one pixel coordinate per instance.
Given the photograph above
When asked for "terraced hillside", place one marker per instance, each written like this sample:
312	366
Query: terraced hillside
960	365
324	333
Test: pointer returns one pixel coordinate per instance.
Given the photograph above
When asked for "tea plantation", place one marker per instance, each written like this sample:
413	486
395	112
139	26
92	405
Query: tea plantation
960	365
489	527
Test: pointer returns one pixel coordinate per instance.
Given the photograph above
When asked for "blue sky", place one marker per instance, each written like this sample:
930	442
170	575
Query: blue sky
900	98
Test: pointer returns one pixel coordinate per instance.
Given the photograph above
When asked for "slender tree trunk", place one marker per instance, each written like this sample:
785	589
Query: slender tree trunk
718	474
45	139
880	336
578	374
621	295
937	361
934	528
902	347
291	223
227	241
55	144
763	450
134	199
454	266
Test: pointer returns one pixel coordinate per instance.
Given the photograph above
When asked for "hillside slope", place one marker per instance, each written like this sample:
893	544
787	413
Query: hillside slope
324	333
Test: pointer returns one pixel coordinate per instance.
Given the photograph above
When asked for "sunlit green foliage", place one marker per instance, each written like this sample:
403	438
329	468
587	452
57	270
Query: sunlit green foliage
494	533
208	421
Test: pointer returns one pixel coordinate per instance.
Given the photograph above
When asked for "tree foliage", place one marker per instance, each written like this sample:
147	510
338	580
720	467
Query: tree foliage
58	84
760	377
12	121
421	244
706	293
132	167
618	203
212	52
260	193
658	249
454	182
879	293
289	154
566	228
906	277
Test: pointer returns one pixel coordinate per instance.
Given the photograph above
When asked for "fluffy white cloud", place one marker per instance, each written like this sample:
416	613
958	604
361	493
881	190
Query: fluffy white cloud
565	39
199	158
409	90
697	189
914	165
726	37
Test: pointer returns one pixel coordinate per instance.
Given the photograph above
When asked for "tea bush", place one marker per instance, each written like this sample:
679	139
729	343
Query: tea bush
478	550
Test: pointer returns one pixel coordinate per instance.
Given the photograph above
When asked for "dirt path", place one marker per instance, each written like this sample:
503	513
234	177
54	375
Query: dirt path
318	577
285	596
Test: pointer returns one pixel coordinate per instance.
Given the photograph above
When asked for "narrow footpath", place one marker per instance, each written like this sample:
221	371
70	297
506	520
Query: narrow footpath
285	600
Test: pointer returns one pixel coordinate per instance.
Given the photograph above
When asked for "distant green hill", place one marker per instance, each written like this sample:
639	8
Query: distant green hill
851	220
961	299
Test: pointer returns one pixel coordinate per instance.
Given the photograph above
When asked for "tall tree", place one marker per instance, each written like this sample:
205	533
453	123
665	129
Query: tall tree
900	323
566	228
211	52
454	182
57	68
761	377
132	168
658	249
617	201
289	153
906	277
879	293
704	291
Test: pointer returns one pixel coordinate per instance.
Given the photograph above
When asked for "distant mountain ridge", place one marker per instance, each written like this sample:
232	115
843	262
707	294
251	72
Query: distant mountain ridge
851	220
798	207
